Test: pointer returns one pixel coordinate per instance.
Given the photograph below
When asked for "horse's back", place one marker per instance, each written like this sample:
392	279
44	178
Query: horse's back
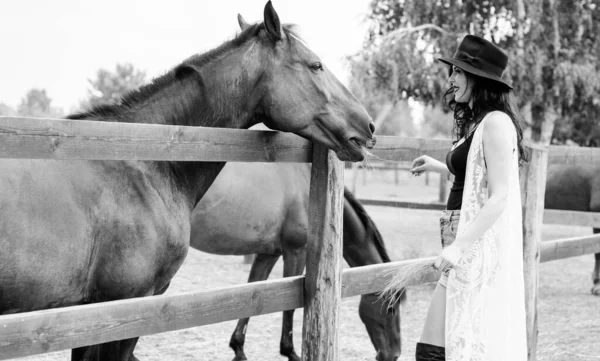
572	187
247	207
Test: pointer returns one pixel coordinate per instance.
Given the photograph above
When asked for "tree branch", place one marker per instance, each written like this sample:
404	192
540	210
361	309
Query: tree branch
405	31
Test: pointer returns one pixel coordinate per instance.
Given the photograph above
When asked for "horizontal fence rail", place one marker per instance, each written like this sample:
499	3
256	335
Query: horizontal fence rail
569	247
572	218
39	138
551	216
35	138
560	154
32	333
400	204
406	149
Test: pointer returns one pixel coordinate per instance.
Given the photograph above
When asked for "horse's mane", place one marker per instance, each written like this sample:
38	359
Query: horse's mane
370	226
109	112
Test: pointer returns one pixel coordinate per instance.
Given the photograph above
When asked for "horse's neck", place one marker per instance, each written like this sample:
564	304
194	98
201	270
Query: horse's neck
361	246
222	100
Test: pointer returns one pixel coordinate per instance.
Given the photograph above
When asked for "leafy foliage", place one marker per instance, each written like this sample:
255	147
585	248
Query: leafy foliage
553	47
37	103
109	87
6	110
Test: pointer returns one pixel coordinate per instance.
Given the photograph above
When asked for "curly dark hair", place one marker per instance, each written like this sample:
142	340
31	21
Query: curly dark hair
487	96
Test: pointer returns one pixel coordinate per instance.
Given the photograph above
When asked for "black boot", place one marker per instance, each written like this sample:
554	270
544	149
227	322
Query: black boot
427	352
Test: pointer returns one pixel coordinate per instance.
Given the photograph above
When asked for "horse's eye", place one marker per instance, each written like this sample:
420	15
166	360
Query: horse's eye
316	66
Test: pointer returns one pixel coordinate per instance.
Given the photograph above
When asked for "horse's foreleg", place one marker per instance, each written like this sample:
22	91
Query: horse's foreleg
596	272
88	353
121	350
596	276
261	268
293	265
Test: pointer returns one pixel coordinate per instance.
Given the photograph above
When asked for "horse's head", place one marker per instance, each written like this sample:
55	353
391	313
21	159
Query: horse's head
382	321
300	95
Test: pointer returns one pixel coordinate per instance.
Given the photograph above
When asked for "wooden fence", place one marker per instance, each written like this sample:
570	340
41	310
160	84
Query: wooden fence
319	292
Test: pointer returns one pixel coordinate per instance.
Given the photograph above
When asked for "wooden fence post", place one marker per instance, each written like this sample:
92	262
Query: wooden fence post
442	193
248	258
355	171
533	185
323	281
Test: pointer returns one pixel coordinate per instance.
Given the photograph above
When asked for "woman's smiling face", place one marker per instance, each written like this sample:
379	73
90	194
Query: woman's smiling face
462	85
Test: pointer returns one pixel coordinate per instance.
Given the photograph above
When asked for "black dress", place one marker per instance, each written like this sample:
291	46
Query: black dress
456	160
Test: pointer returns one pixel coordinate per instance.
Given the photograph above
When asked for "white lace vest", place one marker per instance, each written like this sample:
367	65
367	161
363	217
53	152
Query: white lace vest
485	302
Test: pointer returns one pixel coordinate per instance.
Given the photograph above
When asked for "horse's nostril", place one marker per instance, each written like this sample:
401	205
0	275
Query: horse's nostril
372	127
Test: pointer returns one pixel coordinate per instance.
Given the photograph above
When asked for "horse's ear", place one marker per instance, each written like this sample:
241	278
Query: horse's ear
272	23
184	70
243	24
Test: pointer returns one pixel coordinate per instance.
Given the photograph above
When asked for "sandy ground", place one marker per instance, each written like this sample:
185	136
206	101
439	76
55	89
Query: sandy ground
569	321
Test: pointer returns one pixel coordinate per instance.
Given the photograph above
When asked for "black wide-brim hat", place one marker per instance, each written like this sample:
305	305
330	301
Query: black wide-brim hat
480	57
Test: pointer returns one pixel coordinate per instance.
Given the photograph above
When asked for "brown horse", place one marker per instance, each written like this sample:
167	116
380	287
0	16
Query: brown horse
79	232
262	209
575	188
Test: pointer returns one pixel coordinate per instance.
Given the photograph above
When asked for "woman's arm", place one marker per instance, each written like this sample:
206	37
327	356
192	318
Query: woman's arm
498	147
426	163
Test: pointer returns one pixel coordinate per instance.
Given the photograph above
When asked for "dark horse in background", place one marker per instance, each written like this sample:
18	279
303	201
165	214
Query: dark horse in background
80	232
575	188
262	209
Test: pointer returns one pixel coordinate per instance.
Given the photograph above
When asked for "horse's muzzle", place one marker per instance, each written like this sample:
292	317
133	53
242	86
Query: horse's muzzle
369	144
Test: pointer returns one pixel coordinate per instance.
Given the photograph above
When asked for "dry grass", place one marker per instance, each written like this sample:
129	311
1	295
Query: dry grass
569	321
402	277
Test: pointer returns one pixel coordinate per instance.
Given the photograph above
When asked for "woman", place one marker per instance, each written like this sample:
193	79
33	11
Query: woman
477	311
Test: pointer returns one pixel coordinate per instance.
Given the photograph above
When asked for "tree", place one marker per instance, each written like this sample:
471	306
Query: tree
553	46
109	87
6	110
36	103
437	123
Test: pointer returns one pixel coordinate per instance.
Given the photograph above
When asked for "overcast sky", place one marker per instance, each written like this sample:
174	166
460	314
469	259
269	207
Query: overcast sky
58	45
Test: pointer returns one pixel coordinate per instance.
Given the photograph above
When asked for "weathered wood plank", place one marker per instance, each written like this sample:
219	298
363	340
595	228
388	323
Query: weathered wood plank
533	185
560	154
323	283
374	278
36	138
407	149
443	190
551	216
401	204
572	218
570	247
32	333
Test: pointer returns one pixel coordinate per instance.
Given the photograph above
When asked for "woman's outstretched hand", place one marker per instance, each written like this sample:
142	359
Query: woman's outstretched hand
448	258
426	163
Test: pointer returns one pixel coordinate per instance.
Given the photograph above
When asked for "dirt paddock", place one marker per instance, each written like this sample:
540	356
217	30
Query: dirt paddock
569	317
